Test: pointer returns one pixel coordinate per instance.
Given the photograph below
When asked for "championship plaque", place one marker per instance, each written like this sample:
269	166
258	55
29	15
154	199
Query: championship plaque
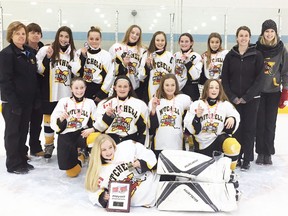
119	196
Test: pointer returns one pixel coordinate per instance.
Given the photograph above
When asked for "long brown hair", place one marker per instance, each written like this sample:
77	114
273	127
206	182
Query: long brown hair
209	50
152	47
221	96
56	44
160	93
127	34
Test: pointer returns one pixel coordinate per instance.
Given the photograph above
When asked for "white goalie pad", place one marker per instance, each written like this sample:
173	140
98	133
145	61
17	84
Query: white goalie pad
194	166
196	196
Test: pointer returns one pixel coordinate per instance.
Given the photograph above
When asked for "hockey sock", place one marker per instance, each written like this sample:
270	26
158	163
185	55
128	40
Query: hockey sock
48	132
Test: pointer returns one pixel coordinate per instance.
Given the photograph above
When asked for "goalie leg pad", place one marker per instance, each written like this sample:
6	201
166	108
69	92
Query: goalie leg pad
194	166
231	149
196	196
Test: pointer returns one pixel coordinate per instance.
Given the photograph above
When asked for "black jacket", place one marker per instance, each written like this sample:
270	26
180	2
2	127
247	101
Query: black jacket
18	76
242	75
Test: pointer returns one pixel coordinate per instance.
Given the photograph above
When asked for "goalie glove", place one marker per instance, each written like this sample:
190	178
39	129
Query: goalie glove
283	99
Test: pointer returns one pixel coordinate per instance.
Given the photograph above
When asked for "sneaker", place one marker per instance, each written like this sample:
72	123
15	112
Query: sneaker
260	159
38	154
20	170
245	166
48	150
267	160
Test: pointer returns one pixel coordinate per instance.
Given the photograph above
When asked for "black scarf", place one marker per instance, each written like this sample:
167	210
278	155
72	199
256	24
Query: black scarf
270	51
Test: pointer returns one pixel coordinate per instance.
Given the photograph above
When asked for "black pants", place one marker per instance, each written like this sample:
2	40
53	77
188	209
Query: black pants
35	130
192	90
15	135
67	149
247	128
266	123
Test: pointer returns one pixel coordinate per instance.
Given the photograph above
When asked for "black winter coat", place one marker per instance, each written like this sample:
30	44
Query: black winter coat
18	76
242	75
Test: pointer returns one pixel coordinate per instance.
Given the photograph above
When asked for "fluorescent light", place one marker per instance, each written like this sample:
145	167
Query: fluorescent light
49	10
213	18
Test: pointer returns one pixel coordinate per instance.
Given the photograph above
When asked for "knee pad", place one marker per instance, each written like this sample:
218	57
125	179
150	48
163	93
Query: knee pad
91	138
231	148
74	171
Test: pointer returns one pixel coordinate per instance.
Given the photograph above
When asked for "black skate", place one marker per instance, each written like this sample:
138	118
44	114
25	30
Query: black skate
85	153
48	150
235	182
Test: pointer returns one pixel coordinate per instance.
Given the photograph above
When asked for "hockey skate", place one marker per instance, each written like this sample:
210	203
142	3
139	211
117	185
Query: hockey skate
83	155
48	150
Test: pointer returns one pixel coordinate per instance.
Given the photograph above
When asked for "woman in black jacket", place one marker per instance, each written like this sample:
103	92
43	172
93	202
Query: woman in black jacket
242	78
18	86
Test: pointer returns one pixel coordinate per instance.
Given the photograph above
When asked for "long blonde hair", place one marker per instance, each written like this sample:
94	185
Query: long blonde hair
95	163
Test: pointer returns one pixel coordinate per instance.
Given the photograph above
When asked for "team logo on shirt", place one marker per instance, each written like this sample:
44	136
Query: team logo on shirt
168	120
214	70
121	124
179	69
268	68
116	175
88	74
75	123
157	77
61	76
210	127
132	68
135	182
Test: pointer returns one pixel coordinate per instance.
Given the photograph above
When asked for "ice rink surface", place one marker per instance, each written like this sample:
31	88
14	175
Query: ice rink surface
46	191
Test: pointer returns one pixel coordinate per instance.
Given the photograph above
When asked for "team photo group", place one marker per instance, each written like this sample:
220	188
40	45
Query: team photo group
162	126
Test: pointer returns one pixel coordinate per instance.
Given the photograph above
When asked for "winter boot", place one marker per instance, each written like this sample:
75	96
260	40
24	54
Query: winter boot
267	160
260	159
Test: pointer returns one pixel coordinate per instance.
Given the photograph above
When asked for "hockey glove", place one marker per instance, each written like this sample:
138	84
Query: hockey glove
283	99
